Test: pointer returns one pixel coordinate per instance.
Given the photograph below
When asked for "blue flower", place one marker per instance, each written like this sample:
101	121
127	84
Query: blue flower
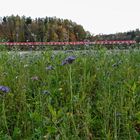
69	51
4	89
64	63
46	92
69	60
50	68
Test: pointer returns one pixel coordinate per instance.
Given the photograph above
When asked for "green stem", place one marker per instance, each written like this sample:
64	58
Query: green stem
71	100
4	117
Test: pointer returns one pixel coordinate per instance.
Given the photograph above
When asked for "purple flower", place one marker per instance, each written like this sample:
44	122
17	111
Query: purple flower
35	78
52	57
115	65
50	68
68	60
64	63
46	92
4	89
69	51
118	114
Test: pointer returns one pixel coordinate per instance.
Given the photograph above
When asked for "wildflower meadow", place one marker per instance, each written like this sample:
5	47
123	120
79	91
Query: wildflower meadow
70	95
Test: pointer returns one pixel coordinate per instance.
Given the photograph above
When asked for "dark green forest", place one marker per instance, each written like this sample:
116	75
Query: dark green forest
24	29
129	35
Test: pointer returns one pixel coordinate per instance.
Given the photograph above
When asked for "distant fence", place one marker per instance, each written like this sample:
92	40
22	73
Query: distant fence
68	43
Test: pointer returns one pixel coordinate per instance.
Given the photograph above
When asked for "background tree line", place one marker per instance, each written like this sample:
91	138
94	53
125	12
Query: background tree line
21	29
130	35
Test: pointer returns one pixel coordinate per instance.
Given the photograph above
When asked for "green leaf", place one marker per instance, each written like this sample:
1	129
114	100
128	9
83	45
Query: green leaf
52	110
133	88
138	137
51	129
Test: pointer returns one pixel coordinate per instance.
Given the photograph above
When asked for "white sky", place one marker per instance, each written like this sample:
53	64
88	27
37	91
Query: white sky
96	16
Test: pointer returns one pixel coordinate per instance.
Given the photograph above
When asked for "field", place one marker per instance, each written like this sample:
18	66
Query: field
70	95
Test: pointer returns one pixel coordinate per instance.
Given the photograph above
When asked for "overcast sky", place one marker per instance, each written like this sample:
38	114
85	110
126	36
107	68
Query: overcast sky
96	16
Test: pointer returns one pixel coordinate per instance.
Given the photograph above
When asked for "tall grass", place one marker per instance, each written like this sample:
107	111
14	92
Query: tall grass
95	97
